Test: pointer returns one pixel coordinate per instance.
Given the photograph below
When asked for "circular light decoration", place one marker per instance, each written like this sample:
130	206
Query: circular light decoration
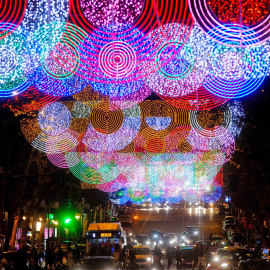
212	196
56	46
160	122
118	12
54	119
12	11
114	185
121	54
111	129
127	13
222	141
57	146
15	64
40	12
211	25
252	12
182	67
236	72
179	59
119	197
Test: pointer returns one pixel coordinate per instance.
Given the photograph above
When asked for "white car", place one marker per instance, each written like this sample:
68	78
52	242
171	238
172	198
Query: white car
143	255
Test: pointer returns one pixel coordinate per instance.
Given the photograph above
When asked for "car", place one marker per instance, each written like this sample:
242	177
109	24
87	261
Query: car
147	205
168	239
143	255
256	264
155	235
192	230
187	256
142	239
97	262
217	239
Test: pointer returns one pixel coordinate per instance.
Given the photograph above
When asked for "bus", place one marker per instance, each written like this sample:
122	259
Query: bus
106	233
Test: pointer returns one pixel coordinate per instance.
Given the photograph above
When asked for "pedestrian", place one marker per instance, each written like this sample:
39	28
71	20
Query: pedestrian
122	256
195	257
211	237
169	256
207	257
178	257
48	258
200	256
132	258
76	254
116	252
157	253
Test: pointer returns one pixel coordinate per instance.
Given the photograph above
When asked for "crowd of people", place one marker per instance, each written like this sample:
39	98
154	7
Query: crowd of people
51	258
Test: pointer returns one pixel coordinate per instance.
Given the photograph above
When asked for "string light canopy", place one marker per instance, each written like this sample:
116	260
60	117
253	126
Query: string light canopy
15	51
186	64
102	13
41	12
202	12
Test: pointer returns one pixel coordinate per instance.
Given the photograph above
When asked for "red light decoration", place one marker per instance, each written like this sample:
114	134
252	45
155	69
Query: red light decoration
12	11
252	11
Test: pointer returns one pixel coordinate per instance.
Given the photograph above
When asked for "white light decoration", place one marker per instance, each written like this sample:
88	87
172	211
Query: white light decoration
38	13
195	54
111	12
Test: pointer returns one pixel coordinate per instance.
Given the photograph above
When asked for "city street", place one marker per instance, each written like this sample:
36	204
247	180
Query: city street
176	219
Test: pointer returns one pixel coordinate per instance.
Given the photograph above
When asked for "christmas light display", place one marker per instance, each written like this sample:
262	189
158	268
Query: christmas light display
252	12
13	11
41	12
186	65
15	51
236	72
102	13
54	119
211	25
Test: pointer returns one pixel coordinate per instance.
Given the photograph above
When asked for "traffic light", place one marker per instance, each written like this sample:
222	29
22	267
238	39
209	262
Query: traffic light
67	220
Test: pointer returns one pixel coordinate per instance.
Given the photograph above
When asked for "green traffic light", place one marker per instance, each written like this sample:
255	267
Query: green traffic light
67	220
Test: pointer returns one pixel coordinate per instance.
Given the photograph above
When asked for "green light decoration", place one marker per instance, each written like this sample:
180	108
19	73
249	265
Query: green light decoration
56	46
179	59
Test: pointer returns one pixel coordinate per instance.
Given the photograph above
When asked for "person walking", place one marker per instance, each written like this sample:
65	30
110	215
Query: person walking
207	257
200	256
178	257
169	256
195	257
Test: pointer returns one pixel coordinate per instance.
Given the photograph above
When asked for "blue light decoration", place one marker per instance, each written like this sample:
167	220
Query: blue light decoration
212	196
179	60
57	59
16	61
54	119
41	12
236	71
119	197
158	123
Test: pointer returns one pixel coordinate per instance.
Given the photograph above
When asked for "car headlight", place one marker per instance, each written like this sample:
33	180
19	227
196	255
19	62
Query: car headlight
148	259
147	242
155	236
224	265
216	259
187	241
195	232
160	242
183	237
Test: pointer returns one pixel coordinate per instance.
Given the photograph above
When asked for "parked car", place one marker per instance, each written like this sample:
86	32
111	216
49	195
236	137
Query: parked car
217	239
